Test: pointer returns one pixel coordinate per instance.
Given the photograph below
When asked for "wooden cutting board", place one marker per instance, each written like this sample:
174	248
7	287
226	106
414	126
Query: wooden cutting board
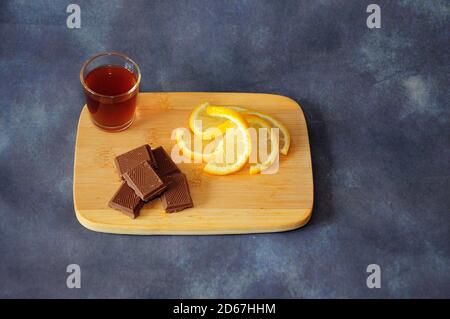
233	204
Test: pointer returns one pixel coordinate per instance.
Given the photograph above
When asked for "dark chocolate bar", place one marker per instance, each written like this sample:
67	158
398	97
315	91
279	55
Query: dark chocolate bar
177	196
126	200
129	160
165	164
144	181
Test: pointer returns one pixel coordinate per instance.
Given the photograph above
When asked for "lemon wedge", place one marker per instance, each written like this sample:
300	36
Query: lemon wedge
236	145
205	126
263	138
284	136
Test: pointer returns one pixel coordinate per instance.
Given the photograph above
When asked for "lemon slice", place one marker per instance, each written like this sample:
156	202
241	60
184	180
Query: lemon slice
264	137
284	136
205	126
190	147
240	138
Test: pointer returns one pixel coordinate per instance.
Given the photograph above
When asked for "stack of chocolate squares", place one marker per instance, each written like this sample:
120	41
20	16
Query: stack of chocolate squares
149	174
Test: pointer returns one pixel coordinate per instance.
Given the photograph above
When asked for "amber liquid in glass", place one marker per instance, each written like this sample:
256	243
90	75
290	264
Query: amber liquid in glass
111	80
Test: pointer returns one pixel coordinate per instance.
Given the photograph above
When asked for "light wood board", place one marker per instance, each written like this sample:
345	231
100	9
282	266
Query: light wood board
232	204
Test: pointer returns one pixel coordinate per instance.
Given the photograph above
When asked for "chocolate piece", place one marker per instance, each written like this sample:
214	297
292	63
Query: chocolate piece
165	164
177	196
144	181
152	160
129	160
126	200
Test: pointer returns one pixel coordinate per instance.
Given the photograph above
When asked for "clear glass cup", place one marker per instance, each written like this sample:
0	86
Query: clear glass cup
111	82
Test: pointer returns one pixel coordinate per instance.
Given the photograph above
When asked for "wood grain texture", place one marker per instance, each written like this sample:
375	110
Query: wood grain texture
233	204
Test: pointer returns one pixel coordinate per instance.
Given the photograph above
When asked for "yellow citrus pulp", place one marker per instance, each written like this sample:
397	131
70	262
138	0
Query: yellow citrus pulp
233	136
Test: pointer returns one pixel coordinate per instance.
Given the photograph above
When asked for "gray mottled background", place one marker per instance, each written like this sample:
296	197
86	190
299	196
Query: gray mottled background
377	107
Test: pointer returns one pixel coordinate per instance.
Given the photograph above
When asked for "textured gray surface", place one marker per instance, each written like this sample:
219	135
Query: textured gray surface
377	107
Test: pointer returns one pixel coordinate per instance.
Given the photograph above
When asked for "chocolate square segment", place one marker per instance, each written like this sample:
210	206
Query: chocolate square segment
177	196
144	181
126	200
165	164
129	160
